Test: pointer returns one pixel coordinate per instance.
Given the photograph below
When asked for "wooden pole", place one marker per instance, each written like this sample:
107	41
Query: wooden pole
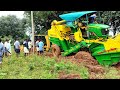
32	23
87	25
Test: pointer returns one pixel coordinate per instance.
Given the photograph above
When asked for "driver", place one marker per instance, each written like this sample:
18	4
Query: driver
92	18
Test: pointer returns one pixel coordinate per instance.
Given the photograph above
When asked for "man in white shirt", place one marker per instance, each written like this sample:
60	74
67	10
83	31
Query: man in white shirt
30	46
7	47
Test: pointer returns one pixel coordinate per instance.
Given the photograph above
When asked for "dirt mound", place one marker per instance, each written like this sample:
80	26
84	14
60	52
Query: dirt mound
86	58
83	55
80	57
95	69
90	62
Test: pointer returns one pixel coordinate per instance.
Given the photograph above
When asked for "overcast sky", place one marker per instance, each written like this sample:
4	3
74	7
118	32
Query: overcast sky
19	14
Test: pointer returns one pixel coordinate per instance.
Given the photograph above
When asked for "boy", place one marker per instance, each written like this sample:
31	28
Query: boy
41	46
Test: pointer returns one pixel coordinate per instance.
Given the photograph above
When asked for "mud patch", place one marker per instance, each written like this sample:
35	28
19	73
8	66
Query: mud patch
96	69
70	76
93	75
117	66
49	54
63	75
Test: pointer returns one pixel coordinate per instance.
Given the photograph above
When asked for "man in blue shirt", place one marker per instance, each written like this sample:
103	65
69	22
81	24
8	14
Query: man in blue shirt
17	47
41	46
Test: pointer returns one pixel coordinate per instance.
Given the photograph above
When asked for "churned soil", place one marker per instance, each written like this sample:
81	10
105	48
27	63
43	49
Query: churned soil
70	76
63	75
117	66
49	54
93	75
86	58
96	69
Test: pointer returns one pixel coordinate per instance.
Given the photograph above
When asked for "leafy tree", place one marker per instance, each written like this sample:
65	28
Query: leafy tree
43	19
11	25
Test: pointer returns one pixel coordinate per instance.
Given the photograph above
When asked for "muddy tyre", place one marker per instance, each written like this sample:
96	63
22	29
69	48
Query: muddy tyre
56	50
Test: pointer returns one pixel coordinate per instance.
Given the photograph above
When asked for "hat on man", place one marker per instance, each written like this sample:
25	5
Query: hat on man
94	15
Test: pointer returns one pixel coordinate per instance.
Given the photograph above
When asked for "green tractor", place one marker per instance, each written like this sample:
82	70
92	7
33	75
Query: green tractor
69	36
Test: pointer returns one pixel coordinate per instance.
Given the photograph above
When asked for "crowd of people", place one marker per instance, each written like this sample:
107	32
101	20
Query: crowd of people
5	48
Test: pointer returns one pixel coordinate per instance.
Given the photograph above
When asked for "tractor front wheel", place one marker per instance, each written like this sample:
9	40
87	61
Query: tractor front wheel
56	50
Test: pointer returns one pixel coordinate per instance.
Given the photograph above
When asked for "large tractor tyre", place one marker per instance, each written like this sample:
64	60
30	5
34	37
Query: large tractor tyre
56	50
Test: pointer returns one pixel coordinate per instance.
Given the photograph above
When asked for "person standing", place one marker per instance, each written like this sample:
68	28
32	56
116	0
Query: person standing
37	47
17	47
7	47
1	51
41	46
30	46
26	48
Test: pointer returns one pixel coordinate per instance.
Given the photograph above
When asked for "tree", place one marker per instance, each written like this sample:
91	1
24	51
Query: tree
43	19
11	25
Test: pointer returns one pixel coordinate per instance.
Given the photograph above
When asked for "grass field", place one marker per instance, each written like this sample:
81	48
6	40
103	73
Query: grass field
42	67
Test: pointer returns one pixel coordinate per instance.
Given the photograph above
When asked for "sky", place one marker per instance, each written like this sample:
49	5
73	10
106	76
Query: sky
19	14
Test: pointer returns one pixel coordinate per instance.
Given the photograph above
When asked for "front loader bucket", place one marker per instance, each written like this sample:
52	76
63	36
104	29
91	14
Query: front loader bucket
105	57
108	58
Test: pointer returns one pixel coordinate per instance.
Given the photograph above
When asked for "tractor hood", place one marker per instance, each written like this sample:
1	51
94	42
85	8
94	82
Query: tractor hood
99	26
75	15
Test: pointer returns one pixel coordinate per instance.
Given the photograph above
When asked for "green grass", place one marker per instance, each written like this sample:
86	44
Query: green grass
36	67
41	67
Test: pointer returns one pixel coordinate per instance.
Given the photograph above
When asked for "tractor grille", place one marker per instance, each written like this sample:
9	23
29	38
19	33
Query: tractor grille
105	32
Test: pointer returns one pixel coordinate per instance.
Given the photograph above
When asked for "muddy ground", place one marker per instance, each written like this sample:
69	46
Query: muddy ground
89	62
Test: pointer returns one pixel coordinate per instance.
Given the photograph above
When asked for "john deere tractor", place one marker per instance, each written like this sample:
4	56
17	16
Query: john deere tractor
69	36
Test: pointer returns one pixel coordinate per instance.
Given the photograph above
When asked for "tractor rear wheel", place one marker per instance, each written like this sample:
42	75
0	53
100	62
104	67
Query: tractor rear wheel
56	50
